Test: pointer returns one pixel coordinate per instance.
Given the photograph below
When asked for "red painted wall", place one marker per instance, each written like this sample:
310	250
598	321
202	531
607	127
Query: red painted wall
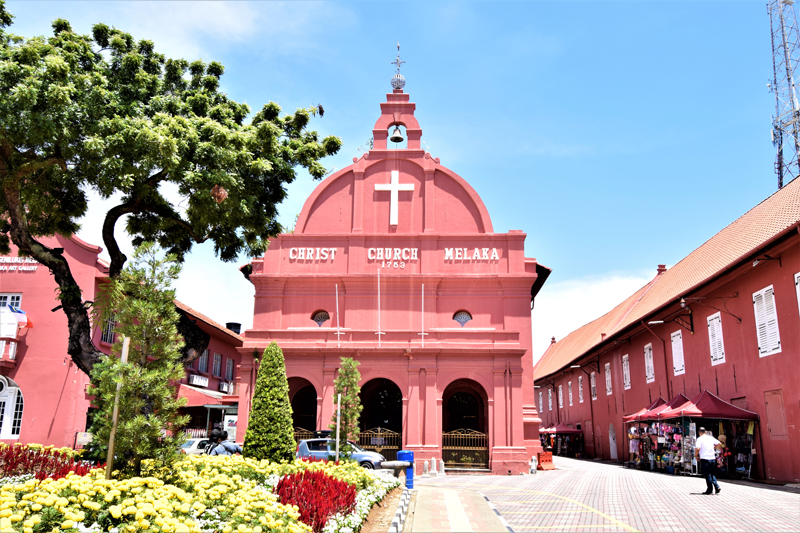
743	375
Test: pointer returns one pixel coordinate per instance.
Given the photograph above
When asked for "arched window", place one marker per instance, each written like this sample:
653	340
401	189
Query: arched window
11	406
320	317
462	317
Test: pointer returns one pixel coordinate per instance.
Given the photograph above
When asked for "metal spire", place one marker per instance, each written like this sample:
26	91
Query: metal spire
398	81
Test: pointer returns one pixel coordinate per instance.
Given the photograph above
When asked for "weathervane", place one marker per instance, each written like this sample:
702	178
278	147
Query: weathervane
398	81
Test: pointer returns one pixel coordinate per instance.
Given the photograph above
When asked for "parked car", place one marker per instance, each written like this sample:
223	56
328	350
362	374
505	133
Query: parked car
194	446
326	448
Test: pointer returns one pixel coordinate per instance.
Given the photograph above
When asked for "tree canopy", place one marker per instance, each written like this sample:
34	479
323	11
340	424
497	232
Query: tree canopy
108	113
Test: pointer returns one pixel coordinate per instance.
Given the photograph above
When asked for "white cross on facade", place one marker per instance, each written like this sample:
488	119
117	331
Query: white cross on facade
394	187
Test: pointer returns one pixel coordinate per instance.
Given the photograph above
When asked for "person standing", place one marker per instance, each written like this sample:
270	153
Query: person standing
226	447
704	451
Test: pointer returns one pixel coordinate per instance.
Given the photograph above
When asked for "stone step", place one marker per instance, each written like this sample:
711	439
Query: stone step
468	471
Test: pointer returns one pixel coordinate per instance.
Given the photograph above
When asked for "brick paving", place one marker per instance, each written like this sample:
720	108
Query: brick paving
587	496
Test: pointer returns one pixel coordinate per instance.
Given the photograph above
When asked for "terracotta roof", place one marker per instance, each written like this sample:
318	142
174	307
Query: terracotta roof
762	224
200	316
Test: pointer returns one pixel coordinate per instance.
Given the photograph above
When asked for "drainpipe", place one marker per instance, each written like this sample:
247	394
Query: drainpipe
664	351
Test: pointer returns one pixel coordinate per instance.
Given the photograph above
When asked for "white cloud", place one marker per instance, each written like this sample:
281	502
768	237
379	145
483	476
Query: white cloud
564	306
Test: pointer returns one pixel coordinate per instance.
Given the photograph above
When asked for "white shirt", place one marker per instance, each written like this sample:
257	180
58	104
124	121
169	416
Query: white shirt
705	444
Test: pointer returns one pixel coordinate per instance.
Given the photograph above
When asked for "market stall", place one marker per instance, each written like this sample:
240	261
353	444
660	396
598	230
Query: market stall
735	426
653	442
566	441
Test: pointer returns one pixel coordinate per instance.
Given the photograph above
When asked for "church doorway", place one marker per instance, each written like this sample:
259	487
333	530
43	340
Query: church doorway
465	439
303	397
381	420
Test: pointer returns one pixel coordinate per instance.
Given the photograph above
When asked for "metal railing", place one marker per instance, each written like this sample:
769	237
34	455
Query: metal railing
465	448
195	433
383	441
302	434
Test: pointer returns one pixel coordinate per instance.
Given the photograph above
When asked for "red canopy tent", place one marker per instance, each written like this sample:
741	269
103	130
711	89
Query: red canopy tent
656	414
707	405
548	429
640	412
562	429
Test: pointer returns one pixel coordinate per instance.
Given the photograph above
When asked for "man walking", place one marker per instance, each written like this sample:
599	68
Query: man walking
704	452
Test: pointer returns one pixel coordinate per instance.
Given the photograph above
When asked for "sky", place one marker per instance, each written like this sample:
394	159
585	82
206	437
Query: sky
617	135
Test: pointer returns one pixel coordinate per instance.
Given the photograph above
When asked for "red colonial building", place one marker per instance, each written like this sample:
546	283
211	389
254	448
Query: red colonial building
725	319
43	394
394	262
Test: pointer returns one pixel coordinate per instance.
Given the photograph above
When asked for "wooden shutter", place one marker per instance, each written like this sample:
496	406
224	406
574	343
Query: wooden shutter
580	389
550	399
649	367
717	347
569	392
797	288
593	383
678	364
776	417
769	340
541	403
626	372
560	396
609	390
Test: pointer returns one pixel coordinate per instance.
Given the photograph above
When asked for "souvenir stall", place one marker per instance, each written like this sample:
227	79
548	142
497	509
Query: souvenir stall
653	442
547	438
735	427
566	441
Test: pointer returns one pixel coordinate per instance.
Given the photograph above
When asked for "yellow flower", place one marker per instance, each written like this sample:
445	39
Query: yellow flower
67	524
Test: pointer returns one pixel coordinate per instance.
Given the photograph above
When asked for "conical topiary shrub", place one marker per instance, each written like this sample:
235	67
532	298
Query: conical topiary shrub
269	431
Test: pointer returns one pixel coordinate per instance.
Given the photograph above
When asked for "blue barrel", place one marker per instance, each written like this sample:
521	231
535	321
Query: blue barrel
407	455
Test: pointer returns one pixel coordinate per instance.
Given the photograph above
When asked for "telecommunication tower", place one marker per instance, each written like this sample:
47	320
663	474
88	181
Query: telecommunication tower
785	62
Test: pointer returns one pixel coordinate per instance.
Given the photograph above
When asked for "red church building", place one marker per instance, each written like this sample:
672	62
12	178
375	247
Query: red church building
394	262
725	319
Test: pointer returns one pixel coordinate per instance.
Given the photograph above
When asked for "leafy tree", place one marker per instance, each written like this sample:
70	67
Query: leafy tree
140	301
346	384
130	121
269	430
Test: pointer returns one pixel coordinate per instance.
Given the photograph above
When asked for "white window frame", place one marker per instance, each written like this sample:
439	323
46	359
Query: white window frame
229	369
649	365
678	361
716	342
202	362
549	398
580	389
593	384
216	368
766	315
626	372
12	406
797	288
541	402
609	387
569	392
560	396
11	298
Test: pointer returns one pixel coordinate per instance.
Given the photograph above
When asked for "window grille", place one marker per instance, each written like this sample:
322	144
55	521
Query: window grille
462	317
320	317
229	370
10	299
108	331
16	424
217	369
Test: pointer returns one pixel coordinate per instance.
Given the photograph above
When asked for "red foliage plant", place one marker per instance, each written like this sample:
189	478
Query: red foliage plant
317	495
17	460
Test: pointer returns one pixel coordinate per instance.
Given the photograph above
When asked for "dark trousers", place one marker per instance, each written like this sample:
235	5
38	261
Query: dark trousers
708	469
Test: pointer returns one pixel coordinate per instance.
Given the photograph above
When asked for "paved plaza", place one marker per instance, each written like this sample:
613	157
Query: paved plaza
591	496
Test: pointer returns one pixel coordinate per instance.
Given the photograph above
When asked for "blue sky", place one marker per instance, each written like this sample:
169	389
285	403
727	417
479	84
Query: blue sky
618	135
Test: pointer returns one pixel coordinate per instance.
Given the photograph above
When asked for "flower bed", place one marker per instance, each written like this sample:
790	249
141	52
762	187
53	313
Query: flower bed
40	462
222	493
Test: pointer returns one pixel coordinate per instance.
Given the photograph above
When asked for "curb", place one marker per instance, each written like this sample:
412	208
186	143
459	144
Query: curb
493	508
400	513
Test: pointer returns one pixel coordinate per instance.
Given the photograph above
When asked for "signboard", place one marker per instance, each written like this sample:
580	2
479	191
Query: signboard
229	425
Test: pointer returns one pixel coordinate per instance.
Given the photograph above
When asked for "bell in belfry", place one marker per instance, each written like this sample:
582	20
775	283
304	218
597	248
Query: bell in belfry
397	135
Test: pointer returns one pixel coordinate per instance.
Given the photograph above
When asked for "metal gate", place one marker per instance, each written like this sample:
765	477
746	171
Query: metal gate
302	434
465	448
384	441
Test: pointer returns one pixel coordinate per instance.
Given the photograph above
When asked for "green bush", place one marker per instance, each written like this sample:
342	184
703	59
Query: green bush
269	431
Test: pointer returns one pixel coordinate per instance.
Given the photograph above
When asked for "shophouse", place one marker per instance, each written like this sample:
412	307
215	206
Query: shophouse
725	319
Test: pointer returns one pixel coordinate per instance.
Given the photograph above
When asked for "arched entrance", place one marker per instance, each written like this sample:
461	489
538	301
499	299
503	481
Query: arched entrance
381	421
465	428
303	397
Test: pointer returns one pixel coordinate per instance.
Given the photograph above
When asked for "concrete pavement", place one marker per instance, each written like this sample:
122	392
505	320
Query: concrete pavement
588	496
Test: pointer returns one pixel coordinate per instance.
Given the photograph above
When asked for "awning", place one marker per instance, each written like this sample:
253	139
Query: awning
197	397
563	429
707	405
655	414
635	416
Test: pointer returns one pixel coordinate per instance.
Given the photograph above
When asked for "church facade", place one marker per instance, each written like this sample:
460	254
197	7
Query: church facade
394	262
